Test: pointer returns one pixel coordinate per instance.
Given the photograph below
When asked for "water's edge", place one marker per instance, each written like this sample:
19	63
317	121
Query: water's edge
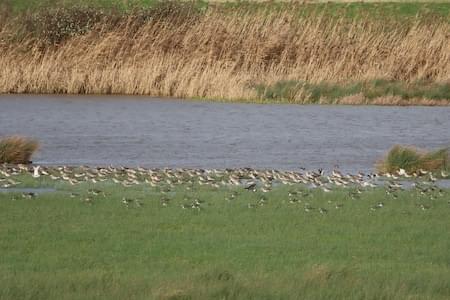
152	132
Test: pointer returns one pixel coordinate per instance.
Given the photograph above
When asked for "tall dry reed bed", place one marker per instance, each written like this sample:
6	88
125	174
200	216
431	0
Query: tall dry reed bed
177	51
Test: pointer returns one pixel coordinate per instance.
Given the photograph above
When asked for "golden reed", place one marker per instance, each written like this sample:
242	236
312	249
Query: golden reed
17	149
223	55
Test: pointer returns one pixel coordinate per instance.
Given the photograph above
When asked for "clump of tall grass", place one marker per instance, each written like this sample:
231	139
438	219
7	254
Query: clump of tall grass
17	149
175	49
412	159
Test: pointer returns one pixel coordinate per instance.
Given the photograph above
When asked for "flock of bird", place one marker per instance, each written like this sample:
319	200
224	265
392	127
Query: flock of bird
247	179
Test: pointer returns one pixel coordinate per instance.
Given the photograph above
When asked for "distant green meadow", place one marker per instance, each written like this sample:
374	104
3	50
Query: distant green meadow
105	241
407	9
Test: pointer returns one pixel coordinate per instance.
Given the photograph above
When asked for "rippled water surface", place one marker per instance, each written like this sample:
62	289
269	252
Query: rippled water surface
103	130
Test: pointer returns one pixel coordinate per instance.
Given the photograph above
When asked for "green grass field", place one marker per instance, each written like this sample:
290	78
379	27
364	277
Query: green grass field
323	245
408	9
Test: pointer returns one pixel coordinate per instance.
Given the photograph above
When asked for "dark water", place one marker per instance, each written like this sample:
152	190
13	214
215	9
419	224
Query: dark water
103	130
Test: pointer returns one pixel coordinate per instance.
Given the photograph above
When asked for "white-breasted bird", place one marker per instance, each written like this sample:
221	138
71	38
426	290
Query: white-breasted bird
36	172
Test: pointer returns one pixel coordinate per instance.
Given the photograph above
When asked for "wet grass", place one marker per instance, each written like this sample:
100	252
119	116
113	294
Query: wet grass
57	247
413	159
17	149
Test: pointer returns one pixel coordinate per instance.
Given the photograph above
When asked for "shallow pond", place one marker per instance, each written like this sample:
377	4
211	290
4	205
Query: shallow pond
132	131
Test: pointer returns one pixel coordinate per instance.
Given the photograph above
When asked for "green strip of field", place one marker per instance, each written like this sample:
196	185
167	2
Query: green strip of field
354	9
321	246
287	90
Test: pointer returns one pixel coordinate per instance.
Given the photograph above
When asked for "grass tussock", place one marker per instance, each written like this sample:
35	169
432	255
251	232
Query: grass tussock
17	149
412	159
180	50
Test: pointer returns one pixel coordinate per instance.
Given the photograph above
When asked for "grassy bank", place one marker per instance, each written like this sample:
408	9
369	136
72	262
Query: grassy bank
376	91
104	241
232	51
